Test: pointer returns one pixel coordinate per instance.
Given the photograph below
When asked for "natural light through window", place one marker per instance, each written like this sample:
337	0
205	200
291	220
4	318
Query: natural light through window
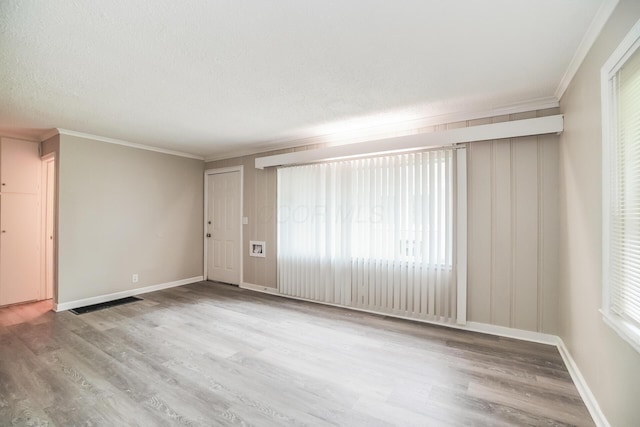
390	208
621	189
376	233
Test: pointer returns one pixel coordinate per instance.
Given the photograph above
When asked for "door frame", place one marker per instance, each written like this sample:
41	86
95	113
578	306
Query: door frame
45	161
218	171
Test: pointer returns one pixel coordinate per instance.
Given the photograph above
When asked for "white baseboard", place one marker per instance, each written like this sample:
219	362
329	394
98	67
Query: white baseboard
582	386
123	294
263	289
519	334
485	328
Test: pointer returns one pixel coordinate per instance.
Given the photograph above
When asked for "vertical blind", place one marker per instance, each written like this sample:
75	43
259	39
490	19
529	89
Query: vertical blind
624	226
374	233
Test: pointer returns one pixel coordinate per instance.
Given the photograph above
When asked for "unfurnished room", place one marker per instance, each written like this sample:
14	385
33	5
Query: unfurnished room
320	213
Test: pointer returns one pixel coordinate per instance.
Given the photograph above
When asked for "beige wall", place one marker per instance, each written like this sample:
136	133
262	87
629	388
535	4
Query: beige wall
514	180
51	145
122	211
610	366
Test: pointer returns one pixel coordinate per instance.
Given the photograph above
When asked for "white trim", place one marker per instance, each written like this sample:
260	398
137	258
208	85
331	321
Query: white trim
216	171
484	328
59	131
43	228
619	56
607	119
205	219
44	208
624	329
263	246
519	334
600	19
461	235
48	157
406	127
511	129
258	288
123	294
581	384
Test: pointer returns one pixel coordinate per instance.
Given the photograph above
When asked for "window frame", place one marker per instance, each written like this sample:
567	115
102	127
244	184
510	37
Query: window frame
629	45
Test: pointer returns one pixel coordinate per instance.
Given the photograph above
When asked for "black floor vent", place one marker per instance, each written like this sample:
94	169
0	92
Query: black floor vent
103	305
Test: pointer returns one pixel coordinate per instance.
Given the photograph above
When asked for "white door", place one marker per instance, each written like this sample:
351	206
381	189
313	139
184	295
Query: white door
49	228
20	166
223	227
20	248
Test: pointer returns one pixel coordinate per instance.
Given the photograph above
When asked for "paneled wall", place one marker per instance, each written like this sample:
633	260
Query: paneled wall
512	226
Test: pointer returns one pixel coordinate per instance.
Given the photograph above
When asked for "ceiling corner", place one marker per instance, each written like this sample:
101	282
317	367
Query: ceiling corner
589	38
49	134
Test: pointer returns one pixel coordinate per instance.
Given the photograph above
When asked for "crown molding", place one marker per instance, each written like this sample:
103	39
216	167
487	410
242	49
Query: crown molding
397	129
360	135
19	136
59	131
599	20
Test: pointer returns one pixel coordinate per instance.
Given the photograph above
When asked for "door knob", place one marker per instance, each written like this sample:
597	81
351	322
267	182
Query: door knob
208	234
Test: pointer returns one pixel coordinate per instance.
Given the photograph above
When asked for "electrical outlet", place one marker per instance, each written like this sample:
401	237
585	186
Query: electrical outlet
134	278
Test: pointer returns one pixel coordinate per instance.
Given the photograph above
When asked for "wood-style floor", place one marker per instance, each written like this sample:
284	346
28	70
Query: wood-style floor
212	354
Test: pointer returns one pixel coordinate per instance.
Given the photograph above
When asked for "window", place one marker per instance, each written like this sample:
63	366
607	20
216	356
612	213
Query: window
621	189
391	208
376	233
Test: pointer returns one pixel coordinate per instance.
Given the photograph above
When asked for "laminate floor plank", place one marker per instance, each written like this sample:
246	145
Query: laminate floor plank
564	415
262	395
457	408
166	394
209	354
331	402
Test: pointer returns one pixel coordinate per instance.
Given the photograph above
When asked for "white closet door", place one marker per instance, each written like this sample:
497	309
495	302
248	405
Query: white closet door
19	166
19	248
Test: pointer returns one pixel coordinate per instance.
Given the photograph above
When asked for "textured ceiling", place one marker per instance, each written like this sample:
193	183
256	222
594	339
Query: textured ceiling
209	77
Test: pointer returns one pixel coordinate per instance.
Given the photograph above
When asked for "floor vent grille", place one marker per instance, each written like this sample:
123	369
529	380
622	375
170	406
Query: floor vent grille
103	305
